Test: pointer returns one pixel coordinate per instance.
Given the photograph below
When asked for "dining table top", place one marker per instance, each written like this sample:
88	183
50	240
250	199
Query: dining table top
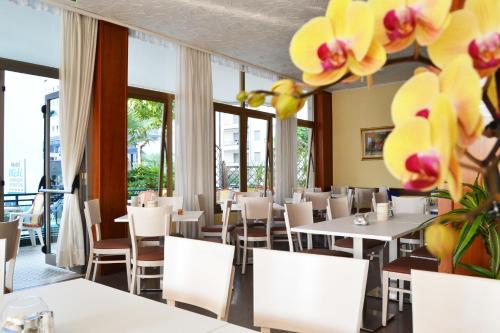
394	228
82	306
187	216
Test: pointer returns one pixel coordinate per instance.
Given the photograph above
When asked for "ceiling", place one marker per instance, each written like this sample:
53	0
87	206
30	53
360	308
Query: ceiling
257	31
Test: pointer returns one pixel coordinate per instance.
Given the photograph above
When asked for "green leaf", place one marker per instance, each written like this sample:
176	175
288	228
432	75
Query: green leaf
478	270
442	194
465	238
493	245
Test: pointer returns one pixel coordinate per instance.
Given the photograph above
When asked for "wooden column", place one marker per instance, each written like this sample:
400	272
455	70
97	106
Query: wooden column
323	140
107	146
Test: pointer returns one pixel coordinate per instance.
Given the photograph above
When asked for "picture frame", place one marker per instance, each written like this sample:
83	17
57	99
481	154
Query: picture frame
372	142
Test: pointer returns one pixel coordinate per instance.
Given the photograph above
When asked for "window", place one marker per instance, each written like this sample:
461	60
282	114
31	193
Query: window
257	157
236	158
226	84
304	136
227	155
256	135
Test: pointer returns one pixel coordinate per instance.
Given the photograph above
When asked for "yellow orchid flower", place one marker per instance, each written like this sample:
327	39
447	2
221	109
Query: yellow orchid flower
327	47
459	82
287	103
441	240
420	151
473	31
399	22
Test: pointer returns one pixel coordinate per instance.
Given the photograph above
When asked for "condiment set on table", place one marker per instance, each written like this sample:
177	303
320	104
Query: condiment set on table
27	315
382	211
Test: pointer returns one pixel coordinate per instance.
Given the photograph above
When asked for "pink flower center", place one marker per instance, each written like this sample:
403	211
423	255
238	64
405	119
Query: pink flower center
424	113
425	169
400	23
333	55
485	52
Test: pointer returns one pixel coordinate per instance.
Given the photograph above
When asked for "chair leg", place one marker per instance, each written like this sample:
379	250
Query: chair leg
40	236
385	297
401	285
32	237
329	240
238	251
96	265
134	278
127	263
89	265
141	272
244	266
381	263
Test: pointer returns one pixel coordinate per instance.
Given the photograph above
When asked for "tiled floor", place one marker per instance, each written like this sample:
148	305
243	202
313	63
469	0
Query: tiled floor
31	270
241	312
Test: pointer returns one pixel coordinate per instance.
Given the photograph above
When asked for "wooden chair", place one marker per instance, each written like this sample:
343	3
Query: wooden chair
400	269
11	233
339	207
32	220
302	214
199	273
449	303
299	292
3	245
256	209
100	248
409	205
147	222
215	230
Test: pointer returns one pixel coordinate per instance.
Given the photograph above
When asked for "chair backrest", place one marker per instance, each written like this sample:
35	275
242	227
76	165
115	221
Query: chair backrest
37	207
92	212
3	245
363	197
318	199
238	196
297	197
338	207
149	221
379	197
342	190
11	233
257	208
175	202
408	205
201	203
329	299
146	196
226	213
449	303
296	215
199	273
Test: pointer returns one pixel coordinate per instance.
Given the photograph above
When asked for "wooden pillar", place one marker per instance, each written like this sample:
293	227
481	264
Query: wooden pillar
323	140
107	145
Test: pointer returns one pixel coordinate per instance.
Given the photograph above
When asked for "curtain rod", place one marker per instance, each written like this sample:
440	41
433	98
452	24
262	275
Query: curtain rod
159	35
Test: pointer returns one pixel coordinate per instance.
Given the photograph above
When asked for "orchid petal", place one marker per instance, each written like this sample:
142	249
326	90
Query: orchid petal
454	178
431	17
325	77
359	28
306	42
380	9
374	59
460	82
336	12
460	31
487	13
415	95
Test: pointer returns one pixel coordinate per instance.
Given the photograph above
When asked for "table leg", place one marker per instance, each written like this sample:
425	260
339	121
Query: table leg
358	248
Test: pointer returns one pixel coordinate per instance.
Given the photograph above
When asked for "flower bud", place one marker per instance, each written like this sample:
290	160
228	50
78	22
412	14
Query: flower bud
242	96
256	99
441	240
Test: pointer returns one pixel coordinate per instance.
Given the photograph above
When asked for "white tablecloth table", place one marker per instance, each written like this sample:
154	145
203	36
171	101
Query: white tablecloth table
82	306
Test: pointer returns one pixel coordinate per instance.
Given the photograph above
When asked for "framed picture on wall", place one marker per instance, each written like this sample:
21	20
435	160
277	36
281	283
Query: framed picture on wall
372	142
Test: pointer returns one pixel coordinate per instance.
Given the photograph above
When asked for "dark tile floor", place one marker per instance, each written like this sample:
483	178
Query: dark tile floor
241	312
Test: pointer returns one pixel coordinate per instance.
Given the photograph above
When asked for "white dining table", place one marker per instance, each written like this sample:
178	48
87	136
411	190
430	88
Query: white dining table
82	306
388	231
237	208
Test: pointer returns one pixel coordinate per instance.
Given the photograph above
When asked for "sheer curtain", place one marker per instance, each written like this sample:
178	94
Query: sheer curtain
78	46
194	120
286	157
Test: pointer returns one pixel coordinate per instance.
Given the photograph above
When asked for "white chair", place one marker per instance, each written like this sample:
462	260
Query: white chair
147	222
318	200
175	202
100	248
299	292
301	214
297	197
146	196
449	303
32	220
363	198
11	233
409	205
256	209
221	232
379	197
339	190
199	273
3	245
238	196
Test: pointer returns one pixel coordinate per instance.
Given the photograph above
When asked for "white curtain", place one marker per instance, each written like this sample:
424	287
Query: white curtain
194	129
78	46
286	158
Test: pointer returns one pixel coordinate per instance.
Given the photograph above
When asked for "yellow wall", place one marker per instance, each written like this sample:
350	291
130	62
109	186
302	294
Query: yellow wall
354	109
